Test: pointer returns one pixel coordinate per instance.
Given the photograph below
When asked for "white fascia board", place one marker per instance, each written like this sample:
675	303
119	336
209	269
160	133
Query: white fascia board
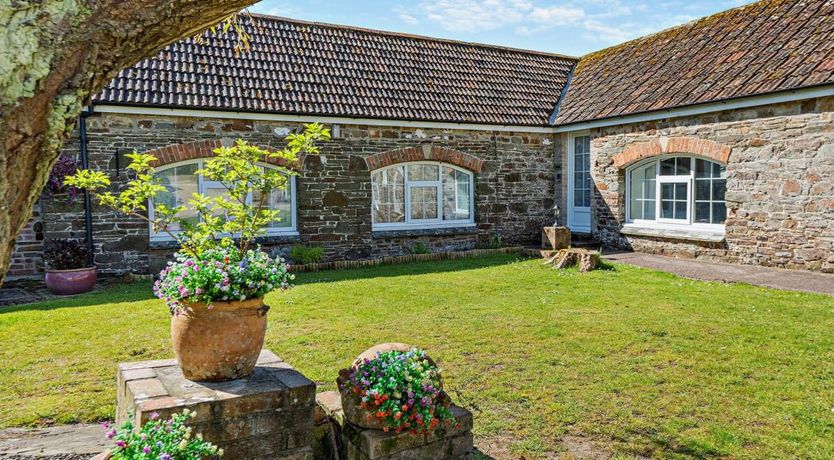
741	103
197	113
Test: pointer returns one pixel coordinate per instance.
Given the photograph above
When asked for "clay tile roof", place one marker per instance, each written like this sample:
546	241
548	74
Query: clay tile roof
764	47
297	67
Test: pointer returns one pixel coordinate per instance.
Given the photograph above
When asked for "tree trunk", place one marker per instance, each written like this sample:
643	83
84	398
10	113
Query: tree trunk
56	54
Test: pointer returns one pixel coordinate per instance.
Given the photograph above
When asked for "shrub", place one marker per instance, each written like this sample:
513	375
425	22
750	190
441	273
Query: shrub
307	254
419	248
160	439
493	243
402	389
65	254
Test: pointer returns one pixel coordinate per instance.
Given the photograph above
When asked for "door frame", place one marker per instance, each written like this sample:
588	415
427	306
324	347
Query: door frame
571	136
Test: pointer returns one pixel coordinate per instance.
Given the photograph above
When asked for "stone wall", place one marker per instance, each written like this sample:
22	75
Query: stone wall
514	189
27	256
780	182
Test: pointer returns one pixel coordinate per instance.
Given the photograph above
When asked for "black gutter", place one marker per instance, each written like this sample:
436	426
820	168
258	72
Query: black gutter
85	164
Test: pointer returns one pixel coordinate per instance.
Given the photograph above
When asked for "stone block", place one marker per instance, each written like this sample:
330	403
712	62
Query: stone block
554	238
450	442
268	415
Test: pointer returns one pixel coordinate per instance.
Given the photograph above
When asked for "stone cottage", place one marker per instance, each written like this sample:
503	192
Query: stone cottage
712	140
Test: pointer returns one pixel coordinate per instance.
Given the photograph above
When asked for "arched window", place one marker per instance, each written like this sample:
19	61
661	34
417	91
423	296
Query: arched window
421	195
181	183
679	190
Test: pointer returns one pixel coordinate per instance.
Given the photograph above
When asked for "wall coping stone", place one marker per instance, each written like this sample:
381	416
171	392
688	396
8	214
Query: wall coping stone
673	234
673	145
270	239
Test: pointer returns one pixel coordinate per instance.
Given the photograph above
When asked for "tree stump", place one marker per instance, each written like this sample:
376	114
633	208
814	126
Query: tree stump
585	259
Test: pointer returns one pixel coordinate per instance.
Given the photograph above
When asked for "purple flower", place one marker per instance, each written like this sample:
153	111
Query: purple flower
120	443
166	457
146	450
154	415
111	434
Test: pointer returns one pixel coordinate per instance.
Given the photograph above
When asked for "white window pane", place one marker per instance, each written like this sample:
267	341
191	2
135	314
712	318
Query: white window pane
388	195
422	172
278	200
683	167
719	188
423	203
680	209
456	195
635	208
180	184
649	210
719	213
215	192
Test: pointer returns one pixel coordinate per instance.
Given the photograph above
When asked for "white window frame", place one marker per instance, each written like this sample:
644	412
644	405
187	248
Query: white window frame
671	224
419	224
201	183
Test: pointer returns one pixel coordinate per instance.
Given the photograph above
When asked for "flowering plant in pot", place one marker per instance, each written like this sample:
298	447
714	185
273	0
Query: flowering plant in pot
394	387
159	439
67	270
215	285
64	167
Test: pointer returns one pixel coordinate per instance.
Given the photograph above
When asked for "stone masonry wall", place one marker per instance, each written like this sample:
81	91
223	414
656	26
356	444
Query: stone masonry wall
513	192
780	183
27	256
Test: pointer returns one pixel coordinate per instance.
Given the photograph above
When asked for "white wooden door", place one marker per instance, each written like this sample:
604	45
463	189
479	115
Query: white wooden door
580	188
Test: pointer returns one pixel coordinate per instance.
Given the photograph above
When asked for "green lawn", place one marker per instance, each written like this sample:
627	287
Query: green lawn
639	361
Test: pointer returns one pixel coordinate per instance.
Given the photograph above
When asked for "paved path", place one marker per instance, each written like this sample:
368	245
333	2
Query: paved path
792	280
65	442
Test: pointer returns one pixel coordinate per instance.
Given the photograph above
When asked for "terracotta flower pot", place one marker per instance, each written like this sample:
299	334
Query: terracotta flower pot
66	282
220	341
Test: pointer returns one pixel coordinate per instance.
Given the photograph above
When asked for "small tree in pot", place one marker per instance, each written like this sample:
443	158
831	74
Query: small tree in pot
67	270
216	285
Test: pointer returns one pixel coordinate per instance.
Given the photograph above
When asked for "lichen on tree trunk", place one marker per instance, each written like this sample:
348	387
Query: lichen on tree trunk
55	54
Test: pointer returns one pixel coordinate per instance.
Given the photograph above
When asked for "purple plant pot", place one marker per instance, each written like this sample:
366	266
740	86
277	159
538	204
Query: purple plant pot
66	282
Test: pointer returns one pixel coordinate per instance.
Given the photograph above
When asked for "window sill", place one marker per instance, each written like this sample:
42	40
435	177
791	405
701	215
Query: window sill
689	234
436	231
278	238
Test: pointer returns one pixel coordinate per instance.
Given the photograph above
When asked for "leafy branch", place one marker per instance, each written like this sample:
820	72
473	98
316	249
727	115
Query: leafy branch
240	169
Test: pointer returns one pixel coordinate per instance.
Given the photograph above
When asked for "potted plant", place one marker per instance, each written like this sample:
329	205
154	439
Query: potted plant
216	284
396	387
67	270
159	439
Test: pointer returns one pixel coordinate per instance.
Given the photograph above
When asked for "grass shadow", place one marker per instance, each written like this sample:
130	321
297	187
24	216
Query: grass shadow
117	293
141	291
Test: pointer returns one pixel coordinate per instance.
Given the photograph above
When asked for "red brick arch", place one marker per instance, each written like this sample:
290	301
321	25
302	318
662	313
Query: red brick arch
672	145
175	153
425	153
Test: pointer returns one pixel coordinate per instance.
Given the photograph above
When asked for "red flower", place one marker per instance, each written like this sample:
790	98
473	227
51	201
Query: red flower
405	407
